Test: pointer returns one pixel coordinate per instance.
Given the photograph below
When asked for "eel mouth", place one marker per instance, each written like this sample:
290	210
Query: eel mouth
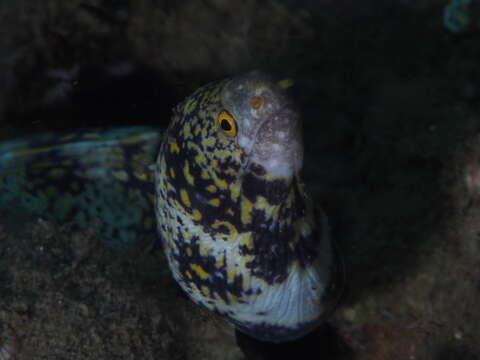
269	124
278	144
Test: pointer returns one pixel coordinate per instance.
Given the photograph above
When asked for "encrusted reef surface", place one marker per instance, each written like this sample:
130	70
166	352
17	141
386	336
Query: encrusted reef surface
390	100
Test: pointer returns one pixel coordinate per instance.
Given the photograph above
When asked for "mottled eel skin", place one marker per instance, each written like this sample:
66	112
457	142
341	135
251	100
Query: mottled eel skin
95	177
239	231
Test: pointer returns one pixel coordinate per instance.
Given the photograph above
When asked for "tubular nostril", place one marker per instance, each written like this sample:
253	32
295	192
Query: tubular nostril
256	102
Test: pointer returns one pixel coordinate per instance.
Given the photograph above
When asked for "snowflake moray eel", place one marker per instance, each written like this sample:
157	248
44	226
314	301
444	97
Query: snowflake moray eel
222	184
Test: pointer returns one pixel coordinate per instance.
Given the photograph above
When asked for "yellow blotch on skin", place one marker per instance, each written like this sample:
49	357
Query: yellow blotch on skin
186	173
223	154
196	215
234	191
231	229
133	139
121	175
262	203
246	239
230	212
206	291
233	299
231	171
231	273
222	184
200	158
196	130
215	202
205	251
205	175
285	83
197	269
187	131
172	173
140	176
212	188
246	211
189	251
190	106
187	235
174	147
185	198
67	137
209	141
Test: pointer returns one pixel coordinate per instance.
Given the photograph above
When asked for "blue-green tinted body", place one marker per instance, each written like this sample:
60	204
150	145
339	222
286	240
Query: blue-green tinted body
90	178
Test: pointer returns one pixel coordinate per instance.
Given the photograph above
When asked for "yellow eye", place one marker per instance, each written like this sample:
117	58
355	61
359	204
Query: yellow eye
227	123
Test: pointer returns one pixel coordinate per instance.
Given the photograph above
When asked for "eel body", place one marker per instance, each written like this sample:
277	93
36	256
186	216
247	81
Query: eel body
93	177
240	233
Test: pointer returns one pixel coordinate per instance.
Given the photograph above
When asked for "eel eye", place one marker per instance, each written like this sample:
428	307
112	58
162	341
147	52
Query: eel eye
227	123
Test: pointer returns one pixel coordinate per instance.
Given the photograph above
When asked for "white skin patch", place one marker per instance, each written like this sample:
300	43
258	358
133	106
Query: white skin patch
277	166
245	142
289	304
258	91
276	147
